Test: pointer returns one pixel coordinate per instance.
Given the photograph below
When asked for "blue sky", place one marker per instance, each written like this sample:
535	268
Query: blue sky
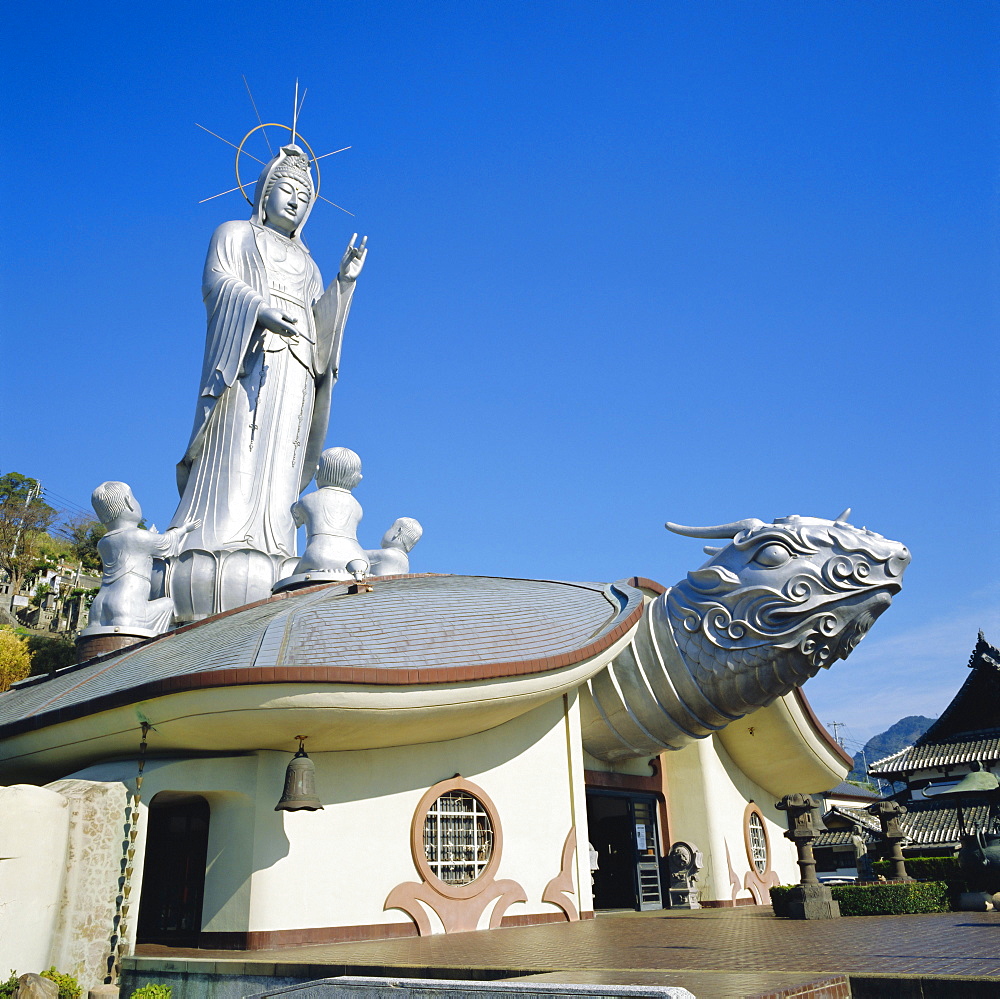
629	262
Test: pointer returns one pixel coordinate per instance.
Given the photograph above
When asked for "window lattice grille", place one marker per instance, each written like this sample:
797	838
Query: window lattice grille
758	842
458	838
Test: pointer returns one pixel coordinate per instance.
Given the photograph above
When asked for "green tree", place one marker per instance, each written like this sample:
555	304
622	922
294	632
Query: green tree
15	658
24	519
83	533
52	550
50	652
42	590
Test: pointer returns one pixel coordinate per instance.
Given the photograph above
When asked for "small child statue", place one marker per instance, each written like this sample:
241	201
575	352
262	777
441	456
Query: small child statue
331	515
127	551
393	558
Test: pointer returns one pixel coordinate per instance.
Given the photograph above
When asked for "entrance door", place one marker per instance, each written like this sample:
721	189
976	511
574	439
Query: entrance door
173	873
647	863
623	831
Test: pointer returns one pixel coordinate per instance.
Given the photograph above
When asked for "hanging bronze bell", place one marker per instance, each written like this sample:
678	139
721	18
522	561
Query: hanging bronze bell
300	783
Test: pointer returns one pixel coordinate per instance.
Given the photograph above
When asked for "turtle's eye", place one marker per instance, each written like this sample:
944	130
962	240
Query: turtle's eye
772	555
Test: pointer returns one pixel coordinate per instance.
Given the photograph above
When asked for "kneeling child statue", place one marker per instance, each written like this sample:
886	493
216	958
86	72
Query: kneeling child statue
125	602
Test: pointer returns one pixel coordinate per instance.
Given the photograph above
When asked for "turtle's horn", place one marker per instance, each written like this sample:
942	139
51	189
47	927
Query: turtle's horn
719	531
843	517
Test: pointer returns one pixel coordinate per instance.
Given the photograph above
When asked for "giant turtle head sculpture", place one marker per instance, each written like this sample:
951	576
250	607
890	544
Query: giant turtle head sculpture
767	611
785	599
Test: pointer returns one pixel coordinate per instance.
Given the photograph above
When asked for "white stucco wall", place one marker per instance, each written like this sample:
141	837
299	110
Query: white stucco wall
229	784
34	840
708	795
269	870
336	867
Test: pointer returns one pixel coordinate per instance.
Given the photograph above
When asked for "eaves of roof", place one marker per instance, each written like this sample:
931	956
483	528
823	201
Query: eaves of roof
847	790
861	817
412	630
973	709
984	747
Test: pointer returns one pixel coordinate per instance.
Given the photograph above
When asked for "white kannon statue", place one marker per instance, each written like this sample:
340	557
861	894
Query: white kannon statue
271	360
124	602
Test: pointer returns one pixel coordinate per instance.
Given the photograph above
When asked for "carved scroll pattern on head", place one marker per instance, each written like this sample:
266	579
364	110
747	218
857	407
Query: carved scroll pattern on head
786	598
767	611
558	890
459	906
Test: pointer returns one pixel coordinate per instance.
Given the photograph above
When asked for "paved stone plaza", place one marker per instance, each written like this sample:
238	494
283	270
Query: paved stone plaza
715	953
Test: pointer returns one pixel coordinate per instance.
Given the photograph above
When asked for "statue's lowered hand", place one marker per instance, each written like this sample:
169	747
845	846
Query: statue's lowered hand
353	259
277	322
191	525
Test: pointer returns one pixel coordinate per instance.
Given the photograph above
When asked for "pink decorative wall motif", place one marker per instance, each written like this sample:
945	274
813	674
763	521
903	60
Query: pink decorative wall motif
756	881
734	878
459	906
558	890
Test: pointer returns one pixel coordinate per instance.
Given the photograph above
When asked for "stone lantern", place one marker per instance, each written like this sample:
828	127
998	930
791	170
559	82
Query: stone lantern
889	813
808	899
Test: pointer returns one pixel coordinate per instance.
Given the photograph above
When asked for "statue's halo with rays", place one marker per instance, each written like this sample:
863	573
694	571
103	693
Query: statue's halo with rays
296	136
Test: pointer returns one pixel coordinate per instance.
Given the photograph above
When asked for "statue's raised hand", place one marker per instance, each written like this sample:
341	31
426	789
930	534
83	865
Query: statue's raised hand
353	259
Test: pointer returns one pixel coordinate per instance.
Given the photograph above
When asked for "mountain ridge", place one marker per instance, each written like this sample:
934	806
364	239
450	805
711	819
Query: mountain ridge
897	736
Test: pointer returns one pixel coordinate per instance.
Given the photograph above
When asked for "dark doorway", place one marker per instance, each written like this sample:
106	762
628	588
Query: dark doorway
623	831
173	873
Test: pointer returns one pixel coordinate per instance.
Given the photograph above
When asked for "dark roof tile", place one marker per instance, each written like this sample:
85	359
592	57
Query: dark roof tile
411	629
986	749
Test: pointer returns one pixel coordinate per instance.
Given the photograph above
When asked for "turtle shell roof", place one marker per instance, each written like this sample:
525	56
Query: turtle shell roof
409	630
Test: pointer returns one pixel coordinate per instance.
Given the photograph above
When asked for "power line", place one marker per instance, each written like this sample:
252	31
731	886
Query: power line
64	500
68	505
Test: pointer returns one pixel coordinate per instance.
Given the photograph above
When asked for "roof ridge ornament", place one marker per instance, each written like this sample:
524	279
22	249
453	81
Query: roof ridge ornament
981	653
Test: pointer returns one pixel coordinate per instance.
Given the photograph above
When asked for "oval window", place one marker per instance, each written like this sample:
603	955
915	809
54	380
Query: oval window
758	842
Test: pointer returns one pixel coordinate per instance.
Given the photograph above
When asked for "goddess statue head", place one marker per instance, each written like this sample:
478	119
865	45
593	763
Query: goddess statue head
285	192
339	467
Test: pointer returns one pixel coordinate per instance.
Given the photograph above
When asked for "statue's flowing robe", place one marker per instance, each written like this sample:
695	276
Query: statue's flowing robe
265	401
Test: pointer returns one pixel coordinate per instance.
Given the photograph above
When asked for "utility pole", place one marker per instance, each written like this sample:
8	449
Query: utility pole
871	780
836	726
33	492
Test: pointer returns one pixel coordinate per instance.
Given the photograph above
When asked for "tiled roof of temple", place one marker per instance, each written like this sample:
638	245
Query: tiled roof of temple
929	823
843	837
968	729
926	823
976	706
410	630
941	754
845	789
